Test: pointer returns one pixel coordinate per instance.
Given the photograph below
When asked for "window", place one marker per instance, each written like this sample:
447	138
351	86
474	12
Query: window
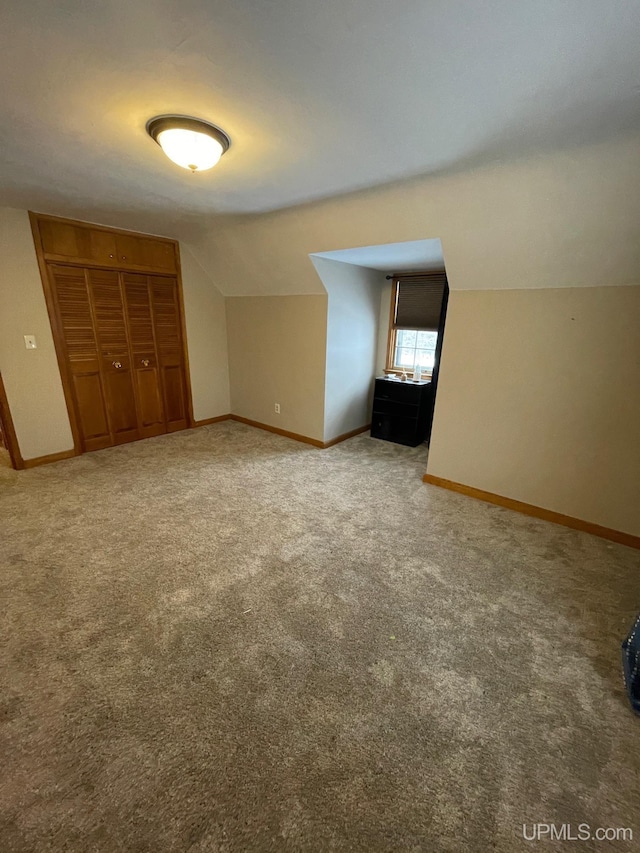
415	346
416	305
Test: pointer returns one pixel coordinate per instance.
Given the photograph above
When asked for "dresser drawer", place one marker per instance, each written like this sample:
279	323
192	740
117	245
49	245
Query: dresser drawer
393	407
402	392
398	429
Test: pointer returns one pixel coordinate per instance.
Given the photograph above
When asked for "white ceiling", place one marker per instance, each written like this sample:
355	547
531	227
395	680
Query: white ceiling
319	98
393	257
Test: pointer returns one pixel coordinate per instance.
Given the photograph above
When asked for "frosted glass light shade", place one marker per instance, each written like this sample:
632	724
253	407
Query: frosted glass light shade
191	143
190	149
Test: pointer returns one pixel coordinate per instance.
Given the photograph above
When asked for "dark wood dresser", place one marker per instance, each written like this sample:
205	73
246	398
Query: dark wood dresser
401	411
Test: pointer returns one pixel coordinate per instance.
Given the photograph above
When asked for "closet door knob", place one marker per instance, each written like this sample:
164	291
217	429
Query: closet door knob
145	362
117	364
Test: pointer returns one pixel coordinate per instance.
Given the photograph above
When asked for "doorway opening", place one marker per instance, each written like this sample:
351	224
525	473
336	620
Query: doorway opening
387	307
418	311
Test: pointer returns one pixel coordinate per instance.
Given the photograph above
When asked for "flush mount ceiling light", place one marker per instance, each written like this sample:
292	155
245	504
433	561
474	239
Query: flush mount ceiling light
189	142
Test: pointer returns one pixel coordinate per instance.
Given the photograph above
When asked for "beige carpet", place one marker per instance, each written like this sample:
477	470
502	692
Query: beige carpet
223	640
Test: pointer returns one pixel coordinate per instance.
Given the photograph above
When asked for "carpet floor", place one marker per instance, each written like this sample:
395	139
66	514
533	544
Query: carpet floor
223	640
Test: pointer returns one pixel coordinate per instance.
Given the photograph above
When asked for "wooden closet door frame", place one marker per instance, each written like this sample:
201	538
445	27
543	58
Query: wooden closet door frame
58	338
56	329
8	431
191	422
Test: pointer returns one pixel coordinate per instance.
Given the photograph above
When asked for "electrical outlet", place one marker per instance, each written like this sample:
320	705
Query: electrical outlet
277	408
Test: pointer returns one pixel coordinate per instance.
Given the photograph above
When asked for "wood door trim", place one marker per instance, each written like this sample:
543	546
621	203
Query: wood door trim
58	338
183	336
52	311
536	511
65	260
97	227
50	457
8	430
118	263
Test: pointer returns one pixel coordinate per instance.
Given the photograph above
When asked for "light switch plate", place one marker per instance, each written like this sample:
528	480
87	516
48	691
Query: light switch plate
30	342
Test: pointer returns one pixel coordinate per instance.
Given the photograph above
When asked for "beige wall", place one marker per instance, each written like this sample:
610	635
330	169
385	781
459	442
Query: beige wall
277	347
352	329
539	400
532	404
206	323
527	424
32	378
564	219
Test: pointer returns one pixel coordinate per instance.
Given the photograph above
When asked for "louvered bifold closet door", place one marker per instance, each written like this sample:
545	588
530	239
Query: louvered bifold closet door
145	367
168	334
113	347
76	326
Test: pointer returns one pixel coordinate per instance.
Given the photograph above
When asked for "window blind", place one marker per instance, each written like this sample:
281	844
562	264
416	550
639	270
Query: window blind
419	301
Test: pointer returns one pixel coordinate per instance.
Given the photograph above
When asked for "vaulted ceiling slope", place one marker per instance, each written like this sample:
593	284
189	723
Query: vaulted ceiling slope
319	98
567	218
